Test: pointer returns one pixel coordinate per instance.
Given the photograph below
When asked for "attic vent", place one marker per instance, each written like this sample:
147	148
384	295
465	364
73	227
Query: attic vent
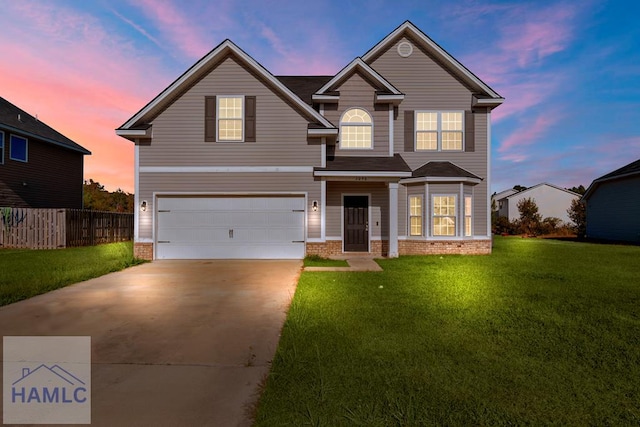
405	49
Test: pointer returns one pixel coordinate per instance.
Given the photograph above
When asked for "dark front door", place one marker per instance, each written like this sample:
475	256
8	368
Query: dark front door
356	223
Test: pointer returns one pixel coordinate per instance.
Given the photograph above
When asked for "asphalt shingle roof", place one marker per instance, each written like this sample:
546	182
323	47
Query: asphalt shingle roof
368	164
304	86
633	167
442	169
15	119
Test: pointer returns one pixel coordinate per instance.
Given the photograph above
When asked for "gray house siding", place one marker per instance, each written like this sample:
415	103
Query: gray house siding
613	210
281	132
428	86
357	92
216	183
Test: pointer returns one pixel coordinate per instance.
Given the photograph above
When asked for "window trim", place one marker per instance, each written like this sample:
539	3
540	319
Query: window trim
26	148
1	147
421	215
455	216
469	198
438	131
242	119
370	124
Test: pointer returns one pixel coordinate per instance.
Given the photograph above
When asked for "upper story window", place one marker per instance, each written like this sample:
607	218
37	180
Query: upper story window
230	118
439	130
1	147
230	115
18	148
356	129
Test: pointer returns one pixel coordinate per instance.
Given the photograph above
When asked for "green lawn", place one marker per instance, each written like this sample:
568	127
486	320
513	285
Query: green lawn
541	332
318	261
26	273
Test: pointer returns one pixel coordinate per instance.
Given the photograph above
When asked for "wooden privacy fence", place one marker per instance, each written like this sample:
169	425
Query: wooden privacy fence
62	228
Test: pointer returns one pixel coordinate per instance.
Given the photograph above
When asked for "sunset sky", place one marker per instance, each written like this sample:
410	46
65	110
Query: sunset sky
570	71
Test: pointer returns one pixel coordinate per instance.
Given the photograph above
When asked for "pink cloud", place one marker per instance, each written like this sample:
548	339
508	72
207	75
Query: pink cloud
78	81
526	134
181	31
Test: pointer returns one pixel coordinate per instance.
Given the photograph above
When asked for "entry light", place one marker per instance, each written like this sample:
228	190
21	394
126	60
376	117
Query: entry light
314	205
143	206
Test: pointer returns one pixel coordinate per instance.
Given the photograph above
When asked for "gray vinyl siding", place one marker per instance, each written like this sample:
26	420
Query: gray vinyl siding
378	206
613	211
227	183
357	92
403	209
429	86
178	132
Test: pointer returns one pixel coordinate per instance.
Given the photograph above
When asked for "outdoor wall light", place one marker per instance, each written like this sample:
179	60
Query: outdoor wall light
143	206
314	205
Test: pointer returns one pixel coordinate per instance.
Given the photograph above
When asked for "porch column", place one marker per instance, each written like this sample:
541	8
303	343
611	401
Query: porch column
393	220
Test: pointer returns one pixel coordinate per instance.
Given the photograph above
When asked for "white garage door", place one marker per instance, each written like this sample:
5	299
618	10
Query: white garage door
230	227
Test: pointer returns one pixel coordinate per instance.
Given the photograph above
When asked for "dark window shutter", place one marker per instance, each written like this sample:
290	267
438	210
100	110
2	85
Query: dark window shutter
469	132
409	131
210	118
250	119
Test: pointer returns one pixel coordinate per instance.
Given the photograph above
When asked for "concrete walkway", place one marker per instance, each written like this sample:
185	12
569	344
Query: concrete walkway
357	263
173	342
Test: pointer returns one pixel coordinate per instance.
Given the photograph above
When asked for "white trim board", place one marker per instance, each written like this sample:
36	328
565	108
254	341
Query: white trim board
225	169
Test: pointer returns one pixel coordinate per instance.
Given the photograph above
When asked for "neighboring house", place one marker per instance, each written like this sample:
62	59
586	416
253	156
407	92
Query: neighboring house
497	199
39	167
389	156
613	205
552	202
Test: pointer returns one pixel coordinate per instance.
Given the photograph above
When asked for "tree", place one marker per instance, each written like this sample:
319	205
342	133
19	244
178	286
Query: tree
95	197
579	189
578	214
529	217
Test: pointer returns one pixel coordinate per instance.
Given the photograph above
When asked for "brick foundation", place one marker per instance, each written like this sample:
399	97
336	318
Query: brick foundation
408	247
143	251
442	247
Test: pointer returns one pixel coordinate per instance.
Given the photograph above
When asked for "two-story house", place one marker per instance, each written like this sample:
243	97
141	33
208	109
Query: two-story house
39	167
390	156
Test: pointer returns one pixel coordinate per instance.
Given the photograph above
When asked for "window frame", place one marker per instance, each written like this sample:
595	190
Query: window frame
349	124
241	119
468	215
454	216
439	131
26	148
1	147
419	215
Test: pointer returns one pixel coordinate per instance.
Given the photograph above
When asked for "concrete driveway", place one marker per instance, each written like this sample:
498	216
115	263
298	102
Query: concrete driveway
173	342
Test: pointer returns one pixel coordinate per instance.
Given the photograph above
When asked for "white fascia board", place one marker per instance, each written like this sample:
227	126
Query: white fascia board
358	62
487	102
134	133
372	174
441	179
226	169
322	132
204	62
325	98
448	59
393	97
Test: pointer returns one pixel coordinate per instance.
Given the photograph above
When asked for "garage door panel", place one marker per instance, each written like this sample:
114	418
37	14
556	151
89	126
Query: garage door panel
230	227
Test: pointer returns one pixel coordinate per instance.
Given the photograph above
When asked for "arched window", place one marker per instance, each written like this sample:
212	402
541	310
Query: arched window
356	129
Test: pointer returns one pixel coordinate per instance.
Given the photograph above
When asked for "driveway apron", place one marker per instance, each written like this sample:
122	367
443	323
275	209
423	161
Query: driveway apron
173	342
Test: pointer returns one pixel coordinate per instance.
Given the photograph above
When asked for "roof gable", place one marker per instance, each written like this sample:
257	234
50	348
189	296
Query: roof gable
199	70
358	65
555	187
14	119
488	96
632	169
